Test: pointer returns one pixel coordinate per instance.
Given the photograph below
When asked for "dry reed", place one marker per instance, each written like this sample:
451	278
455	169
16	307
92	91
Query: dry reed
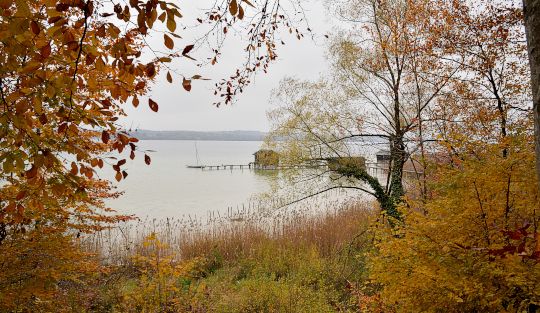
238	233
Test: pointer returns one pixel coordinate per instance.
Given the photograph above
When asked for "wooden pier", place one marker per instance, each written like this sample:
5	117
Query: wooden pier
252	166
379	171
227	166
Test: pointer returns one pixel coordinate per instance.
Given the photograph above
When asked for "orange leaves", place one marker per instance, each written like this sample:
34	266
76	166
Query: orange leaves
45	51
68	71
66	74
236	9
105	136
5	4
240	13
74	169
233	7
162	17
121	162
169	43
186	83
187	49
118	176
100	64
140	85
34	27
153	105
150	70
248	3
32	172
94	162
147	159
100	31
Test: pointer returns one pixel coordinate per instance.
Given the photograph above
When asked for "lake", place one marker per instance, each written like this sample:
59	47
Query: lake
166	188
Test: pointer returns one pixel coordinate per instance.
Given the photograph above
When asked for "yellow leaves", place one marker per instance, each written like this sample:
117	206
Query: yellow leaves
100	64
58	258
23	10
31	66
161	272
461	253
171	23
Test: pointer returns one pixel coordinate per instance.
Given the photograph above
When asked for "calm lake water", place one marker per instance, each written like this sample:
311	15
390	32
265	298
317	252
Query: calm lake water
167	188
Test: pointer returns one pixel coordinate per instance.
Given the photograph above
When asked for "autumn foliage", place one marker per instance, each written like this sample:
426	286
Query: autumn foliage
472	244
68	68
446	84
64	76
449	82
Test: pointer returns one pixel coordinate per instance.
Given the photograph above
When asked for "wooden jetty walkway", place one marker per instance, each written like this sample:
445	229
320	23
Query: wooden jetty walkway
373	169
251	166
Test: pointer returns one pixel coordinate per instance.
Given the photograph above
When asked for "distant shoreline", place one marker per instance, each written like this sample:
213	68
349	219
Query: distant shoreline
230	135
235	135
164	139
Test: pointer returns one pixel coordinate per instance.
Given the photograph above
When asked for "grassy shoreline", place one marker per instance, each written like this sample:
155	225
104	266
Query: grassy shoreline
289	263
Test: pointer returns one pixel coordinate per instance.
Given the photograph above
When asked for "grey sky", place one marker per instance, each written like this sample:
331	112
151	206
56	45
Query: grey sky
180	110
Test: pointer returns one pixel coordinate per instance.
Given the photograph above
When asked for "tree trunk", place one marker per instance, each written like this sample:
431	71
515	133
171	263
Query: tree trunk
398	156
387	203
531	10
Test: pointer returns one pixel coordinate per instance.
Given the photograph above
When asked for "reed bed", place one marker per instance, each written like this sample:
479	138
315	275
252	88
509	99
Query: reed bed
323	222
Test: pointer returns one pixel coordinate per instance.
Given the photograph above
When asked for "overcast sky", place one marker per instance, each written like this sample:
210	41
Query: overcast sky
180	110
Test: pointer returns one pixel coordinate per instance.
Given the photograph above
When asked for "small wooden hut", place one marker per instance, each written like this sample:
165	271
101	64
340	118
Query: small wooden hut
265	158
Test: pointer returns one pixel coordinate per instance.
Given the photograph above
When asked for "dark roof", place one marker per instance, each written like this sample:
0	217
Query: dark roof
265	151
